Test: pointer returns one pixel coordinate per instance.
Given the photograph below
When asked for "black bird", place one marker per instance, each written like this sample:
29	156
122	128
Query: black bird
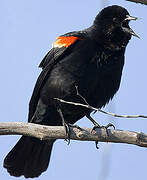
91	60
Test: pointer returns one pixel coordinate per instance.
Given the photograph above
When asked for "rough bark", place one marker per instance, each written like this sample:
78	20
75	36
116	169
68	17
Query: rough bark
58	132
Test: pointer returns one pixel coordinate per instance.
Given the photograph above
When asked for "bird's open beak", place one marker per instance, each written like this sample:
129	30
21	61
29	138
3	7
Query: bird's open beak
128	29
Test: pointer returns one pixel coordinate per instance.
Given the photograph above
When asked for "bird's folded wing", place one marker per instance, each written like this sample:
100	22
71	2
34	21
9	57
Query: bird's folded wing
61	48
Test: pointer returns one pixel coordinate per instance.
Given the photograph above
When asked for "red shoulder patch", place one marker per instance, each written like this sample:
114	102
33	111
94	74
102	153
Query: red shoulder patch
64	41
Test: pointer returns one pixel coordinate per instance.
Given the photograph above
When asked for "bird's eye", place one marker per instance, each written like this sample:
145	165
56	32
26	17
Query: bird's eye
115	20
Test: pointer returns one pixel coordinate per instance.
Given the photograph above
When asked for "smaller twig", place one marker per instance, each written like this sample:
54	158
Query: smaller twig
97	109
81	95
139	1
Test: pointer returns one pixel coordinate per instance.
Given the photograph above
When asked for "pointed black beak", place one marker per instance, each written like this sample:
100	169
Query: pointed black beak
128	29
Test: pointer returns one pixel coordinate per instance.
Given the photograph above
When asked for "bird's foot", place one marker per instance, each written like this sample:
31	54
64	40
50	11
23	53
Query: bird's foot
105	127
67	130
66	126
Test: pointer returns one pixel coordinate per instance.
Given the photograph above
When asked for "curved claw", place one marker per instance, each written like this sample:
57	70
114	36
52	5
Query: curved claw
67	131
109	125
95	127
66	126
106	127
96	144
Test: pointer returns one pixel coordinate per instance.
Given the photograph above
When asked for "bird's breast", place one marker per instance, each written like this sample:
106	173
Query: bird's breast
102	79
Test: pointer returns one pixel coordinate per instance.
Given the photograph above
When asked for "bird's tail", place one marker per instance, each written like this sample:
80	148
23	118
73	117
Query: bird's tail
29	157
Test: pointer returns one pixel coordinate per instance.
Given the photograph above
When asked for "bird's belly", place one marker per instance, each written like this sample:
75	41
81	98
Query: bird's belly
99	88
97	93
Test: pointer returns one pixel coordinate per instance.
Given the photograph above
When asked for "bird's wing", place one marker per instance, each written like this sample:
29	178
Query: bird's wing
61	48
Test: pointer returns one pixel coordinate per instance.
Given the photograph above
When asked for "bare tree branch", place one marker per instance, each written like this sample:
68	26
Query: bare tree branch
96	109
58	132
139	1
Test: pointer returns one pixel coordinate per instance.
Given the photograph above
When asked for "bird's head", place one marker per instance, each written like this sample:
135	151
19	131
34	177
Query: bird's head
113	22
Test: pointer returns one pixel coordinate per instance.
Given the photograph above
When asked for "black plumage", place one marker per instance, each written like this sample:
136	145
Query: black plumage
92	60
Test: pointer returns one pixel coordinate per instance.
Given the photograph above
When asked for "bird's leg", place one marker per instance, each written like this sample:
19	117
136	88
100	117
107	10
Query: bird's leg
96	125
66	126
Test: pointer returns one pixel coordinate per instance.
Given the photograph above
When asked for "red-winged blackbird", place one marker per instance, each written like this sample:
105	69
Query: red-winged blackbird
91	60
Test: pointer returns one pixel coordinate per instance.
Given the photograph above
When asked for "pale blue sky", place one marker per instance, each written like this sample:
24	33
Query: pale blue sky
28	28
